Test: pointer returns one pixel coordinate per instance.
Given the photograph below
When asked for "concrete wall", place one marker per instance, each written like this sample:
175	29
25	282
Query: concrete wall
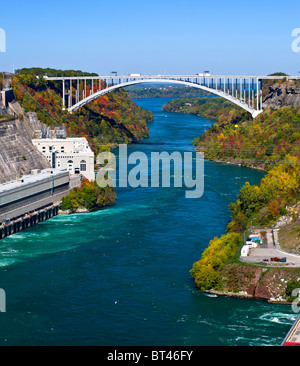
75	181
28	220
7	96
31	207
18	156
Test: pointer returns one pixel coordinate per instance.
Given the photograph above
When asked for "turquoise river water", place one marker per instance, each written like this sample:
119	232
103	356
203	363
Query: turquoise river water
120	276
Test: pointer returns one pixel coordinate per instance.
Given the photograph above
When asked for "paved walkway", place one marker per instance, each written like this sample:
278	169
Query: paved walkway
264	252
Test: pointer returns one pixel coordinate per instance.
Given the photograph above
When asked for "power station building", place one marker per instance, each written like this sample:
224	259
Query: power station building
39	189
72	154
33	198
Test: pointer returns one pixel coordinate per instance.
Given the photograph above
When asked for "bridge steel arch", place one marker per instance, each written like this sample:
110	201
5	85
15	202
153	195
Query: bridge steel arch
254	112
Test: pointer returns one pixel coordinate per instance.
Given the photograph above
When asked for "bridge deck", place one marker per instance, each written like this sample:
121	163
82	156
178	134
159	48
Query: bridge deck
115	77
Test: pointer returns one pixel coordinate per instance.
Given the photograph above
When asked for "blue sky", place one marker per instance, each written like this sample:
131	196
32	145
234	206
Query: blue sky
166	36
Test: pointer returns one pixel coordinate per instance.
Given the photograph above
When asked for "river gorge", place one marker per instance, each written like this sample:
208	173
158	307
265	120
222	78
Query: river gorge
120	275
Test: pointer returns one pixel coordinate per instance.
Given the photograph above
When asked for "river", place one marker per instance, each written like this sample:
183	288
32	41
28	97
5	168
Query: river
120	276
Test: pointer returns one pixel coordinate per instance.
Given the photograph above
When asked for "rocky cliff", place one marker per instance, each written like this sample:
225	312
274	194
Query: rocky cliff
257	282
281	94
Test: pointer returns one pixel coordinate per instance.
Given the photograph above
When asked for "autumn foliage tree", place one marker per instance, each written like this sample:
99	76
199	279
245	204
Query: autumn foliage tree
220	251
89	196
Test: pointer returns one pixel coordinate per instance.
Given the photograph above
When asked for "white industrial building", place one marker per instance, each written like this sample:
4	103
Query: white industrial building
39	189
73	154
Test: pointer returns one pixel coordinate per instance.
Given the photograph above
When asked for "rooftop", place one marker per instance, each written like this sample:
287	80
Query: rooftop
80	144
35	176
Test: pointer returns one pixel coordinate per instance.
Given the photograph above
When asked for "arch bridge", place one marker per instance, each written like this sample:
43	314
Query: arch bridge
244	91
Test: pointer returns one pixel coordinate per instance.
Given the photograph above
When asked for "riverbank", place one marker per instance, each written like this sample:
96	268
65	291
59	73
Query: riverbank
252	277
258	283
235	162
257	277
265	144
236	138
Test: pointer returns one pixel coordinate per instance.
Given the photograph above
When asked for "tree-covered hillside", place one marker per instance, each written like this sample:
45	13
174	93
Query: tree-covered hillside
164	90
213	107
110	119
237	138
270	142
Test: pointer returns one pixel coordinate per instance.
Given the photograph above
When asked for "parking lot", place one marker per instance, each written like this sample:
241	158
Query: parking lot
265	251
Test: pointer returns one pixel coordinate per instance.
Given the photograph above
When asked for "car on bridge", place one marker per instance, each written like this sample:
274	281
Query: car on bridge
205	73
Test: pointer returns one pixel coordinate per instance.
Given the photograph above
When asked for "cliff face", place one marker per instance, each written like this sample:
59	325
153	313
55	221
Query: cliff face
282	94
255	282
18	156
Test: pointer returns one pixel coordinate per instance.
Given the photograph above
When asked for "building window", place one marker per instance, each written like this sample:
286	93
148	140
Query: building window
58	163
83	166
70	166
62	149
